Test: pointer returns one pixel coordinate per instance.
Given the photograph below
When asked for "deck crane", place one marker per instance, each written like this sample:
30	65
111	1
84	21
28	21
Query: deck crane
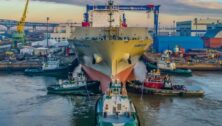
147	8
19	35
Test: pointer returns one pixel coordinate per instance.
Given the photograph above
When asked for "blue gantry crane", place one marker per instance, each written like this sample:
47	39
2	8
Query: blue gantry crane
147	8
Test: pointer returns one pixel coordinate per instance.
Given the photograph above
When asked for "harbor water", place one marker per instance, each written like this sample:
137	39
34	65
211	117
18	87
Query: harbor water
25	102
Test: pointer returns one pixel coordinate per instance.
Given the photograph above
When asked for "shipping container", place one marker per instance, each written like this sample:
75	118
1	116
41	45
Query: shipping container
163	43
213	43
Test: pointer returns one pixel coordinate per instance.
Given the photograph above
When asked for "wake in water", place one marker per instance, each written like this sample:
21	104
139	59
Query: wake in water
77	70
140	71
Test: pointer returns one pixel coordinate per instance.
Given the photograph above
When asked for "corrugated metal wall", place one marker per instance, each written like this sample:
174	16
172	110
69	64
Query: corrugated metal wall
163	43
213	39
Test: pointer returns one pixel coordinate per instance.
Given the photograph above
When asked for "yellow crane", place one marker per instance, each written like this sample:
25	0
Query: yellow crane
19	35
21	24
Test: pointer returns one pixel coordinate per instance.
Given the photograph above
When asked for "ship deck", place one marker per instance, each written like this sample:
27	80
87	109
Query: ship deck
120	119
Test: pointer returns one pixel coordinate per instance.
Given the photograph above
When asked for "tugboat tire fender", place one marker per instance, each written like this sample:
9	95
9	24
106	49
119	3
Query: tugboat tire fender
181	94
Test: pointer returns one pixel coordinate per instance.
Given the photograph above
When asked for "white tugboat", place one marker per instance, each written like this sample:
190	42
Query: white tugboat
114	108
76	85
165	65
52	67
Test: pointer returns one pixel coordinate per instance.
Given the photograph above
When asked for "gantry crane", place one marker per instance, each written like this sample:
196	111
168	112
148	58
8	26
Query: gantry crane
19	35
148	8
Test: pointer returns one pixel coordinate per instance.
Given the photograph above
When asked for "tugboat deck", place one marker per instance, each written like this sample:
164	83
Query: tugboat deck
122	119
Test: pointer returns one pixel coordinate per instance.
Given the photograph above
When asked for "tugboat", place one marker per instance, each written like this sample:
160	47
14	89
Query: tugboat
76	85
52	67
157	84
168	67
114	108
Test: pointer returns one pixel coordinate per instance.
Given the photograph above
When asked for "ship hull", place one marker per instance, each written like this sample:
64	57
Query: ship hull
91	88
54	72
179	72
190	90
59	72
110	58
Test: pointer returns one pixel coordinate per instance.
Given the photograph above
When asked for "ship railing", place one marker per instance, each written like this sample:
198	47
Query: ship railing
113	38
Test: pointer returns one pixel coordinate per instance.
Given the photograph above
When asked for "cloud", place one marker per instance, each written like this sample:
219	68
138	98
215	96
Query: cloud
175	7
76	2
213	4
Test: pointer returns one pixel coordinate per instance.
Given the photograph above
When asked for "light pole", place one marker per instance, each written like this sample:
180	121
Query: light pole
47	36
196	25
174	27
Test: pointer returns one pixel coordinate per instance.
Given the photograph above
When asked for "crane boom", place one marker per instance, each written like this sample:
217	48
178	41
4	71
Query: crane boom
21	23
19	35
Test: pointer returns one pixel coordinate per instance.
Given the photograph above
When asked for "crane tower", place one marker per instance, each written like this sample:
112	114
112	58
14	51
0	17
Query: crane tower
19	35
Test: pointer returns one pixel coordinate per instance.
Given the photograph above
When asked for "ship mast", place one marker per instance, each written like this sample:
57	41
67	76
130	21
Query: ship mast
111	20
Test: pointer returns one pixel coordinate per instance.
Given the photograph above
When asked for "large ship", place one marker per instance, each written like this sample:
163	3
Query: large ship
107	47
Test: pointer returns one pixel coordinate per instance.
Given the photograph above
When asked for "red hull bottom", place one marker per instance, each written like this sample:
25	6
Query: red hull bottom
96	75
105	80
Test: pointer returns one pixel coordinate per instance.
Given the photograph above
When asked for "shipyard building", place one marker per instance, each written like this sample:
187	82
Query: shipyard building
213	37
167	31
195	27
63	32
163	43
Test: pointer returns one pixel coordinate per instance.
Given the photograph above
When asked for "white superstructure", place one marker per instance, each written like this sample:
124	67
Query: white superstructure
100	18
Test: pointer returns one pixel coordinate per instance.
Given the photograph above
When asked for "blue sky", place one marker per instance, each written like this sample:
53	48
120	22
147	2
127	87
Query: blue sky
64	10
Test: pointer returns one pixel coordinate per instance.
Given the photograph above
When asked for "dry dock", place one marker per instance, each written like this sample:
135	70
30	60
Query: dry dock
201	67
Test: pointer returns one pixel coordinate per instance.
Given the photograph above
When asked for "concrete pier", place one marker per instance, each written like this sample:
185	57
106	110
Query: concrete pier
18	65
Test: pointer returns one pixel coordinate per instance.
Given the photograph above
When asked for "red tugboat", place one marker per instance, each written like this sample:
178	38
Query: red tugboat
157	84
154	80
